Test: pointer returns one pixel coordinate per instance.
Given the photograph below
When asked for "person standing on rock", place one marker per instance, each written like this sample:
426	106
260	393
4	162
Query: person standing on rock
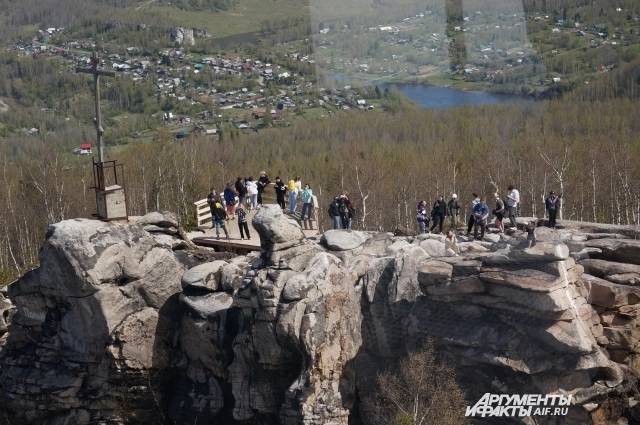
252	191
499	212
472	218
453	210
552	203
307	202
513	199
263	181
344	210
451	247
242	222
281	190
422	217
480	212
334	212
439	213
241	189
219	217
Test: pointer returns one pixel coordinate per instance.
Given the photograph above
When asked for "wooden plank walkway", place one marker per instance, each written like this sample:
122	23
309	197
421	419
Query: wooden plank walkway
206	236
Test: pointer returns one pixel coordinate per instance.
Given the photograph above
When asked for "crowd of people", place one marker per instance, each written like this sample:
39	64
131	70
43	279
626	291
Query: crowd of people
246	195
480	212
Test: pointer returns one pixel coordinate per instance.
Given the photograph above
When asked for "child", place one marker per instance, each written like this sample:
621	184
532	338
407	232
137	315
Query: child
531	234
242	222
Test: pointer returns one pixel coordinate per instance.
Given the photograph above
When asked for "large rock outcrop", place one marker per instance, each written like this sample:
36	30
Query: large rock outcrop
92	321
121	319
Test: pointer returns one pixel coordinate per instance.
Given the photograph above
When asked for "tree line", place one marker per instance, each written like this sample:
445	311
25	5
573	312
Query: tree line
587	151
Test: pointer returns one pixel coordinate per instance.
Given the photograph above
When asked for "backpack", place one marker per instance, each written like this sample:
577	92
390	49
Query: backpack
291	185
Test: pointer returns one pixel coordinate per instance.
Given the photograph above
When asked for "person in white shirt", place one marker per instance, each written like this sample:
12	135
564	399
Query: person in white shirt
252	191
513	199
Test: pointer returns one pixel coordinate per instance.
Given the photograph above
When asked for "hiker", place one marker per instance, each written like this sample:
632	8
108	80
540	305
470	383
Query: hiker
439	212
352	212
263	181
334	212
451	247
281	190
307	202
252	191
531	234
472	218
453	210
480	212
219	217
242	222
212	198
552	204
344	210
513	199
499	212
422	218
241	189
295	187
230	200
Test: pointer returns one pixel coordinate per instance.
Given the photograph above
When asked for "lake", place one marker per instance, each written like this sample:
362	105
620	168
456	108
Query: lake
433	97
235	40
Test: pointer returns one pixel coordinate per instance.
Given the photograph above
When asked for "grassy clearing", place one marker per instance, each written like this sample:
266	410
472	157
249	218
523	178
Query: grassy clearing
244	18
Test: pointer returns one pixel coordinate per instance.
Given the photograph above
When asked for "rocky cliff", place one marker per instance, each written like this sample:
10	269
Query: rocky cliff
120	323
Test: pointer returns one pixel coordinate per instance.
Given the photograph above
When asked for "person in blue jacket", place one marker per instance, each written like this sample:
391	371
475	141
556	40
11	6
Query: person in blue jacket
480	212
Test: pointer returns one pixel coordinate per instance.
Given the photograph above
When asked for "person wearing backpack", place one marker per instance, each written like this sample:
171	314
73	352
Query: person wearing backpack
219	217
334	212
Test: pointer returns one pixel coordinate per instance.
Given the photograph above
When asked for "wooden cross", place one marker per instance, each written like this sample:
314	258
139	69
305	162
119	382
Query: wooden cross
95	60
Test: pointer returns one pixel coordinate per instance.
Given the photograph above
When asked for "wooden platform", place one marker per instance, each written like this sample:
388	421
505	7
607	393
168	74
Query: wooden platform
206	236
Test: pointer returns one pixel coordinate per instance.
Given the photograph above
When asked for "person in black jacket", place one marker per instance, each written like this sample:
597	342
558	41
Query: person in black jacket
343	208
439	213
334	212
281	189
552	204
263	181
242	190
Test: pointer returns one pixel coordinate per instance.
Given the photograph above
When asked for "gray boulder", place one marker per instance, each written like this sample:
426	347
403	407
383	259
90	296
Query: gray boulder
275	227
205	276
621	273
433	247
343	240
159	221
620	250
